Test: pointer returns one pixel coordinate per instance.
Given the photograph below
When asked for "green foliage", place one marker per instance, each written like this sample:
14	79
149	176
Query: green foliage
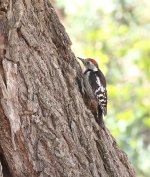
116	33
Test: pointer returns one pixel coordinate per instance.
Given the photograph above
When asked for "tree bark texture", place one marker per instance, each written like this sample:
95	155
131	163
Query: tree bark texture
46	129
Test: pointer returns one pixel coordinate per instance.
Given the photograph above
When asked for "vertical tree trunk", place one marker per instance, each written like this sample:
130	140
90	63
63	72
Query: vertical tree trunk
45	126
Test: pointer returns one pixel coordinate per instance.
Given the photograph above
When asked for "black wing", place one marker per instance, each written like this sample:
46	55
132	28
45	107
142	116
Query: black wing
98	84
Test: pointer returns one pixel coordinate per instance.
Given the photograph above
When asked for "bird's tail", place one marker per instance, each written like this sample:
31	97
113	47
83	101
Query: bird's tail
99	117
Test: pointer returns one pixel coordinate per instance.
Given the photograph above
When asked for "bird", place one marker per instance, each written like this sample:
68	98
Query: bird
94	87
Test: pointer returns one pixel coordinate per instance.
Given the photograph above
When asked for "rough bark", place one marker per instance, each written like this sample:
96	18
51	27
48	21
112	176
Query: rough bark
45	127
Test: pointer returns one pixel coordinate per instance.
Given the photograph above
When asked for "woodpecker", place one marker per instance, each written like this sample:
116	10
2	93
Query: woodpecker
94	86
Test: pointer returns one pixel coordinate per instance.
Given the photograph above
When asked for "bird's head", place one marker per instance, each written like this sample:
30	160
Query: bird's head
89	63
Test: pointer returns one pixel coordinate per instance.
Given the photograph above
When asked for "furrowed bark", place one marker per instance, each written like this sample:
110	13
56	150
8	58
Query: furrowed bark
45	127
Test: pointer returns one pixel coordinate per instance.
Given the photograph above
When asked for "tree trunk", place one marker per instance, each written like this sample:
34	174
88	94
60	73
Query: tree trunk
45	127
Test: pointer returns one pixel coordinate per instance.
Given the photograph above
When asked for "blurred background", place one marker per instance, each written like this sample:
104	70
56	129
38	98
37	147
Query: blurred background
117	34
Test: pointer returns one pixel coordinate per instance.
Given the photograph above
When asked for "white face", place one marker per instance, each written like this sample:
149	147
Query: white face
90	65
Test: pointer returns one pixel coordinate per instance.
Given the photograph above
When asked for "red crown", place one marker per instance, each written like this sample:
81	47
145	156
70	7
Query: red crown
93	61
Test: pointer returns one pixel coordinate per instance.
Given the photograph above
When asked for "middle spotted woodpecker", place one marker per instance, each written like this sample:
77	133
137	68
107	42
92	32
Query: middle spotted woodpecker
94	86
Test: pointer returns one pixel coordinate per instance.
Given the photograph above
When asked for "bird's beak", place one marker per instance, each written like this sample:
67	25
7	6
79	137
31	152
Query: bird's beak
81	59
